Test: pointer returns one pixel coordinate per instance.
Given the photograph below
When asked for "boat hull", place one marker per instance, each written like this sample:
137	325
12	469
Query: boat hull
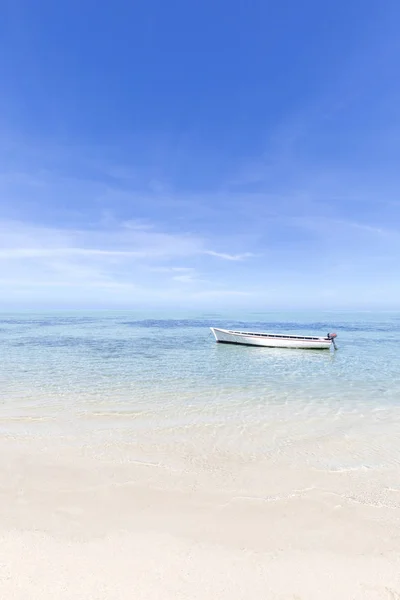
266	340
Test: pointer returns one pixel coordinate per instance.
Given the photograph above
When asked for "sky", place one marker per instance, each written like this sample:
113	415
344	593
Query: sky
204	154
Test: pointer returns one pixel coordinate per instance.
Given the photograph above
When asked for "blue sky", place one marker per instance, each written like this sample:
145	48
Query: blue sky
200	154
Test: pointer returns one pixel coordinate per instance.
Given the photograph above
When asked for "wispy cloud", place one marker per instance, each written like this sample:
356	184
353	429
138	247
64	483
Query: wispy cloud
127	239
18	253
188	278
123	257
232	257
326	224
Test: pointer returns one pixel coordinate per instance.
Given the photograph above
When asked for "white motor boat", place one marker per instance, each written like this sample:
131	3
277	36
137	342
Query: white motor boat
274	340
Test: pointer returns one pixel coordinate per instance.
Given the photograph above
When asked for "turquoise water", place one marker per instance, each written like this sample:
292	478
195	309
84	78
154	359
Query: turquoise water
165	381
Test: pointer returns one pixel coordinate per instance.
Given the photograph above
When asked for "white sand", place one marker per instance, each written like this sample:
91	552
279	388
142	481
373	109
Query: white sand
80	524
149	565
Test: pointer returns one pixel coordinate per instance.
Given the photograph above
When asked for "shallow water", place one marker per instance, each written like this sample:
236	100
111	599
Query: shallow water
164	385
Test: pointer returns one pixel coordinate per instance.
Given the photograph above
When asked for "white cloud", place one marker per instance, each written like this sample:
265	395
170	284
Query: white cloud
189	278
225	256
337	225
129	259
19	240
221	294
17	253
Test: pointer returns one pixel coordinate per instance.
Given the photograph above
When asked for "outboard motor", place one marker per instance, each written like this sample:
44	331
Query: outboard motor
332	336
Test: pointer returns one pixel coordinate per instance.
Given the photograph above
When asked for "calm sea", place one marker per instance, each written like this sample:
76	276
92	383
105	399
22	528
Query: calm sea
164	382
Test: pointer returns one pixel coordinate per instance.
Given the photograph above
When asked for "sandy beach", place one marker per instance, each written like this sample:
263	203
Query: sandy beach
81	523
